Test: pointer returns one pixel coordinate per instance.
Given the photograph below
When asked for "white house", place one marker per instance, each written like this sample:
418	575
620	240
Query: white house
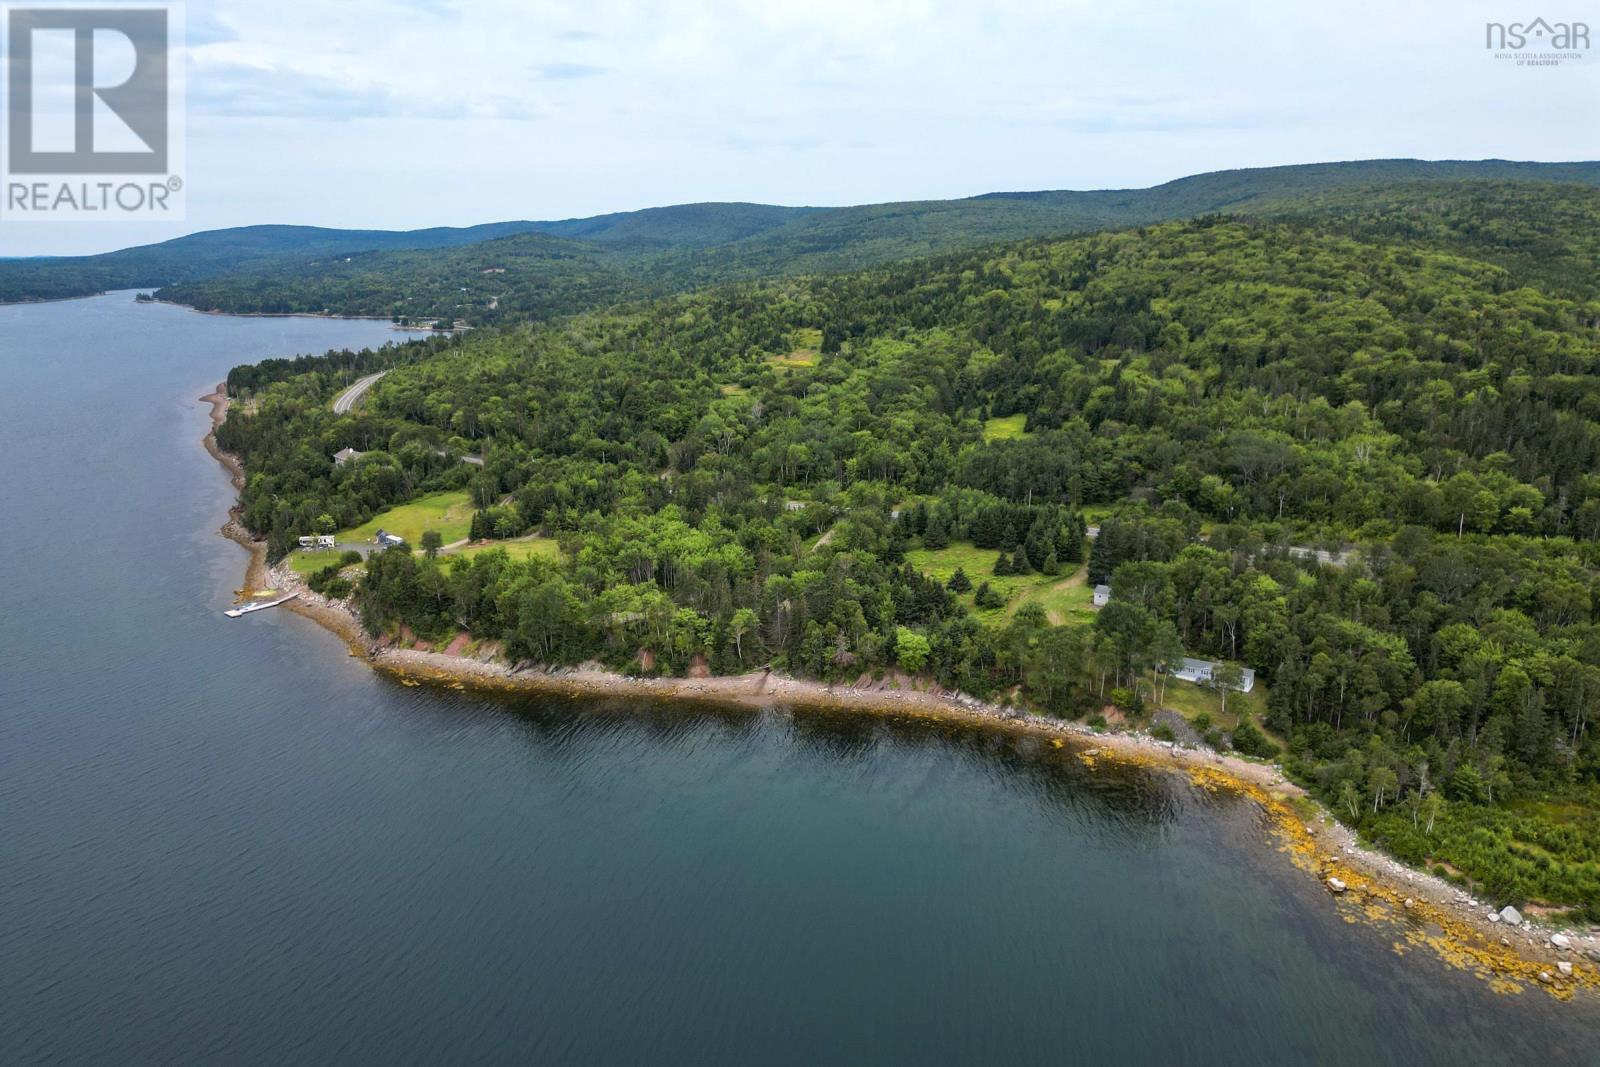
318	543
1199	671
345	455
388	540
1102	595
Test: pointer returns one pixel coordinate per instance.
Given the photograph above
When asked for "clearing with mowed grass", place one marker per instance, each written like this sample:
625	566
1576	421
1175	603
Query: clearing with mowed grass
1055	593
1192	700
449	513
305	564
1066	601
523	548
1006	428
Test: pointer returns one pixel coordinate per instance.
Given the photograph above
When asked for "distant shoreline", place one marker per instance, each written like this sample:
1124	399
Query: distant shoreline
59	299
228	314
1426	910
292	315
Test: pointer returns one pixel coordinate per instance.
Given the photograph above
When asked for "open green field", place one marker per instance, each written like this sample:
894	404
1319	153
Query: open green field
524	548
1009	428
1063	597
305	564
1066	601
449	513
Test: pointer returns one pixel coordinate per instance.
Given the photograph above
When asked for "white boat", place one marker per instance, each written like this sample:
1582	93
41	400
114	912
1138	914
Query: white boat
245	609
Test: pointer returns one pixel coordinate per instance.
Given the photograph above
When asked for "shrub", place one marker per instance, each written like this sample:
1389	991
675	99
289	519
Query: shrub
336	588
987	599
1163	732
328	583
1251	741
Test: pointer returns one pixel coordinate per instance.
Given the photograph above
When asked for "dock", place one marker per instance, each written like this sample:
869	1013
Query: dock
245	609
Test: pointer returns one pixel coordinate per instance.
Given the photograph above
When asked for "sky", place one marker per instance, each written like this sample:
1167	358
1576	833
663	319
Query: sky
399	114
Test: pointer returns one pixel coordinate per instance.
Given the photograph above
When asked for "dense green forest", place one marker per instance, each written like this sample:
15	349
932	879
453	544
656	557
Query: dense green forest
774	473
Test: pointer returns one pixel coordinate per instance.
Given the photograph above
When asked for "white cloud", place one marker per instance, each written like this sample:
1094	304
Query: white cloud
414	112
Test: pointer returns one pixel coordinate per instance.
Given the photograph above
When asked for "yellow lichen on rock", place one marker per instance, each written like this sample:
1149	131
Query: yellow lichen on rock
1459	944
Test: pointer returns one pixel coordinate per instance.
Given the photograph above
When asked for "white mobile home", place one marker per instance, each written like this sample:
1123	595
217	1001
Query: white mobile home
1199	671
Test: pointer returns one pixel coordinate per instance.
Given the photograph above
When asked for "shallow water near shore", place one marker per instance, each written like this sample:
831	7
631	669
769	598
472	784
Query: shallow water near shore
226	840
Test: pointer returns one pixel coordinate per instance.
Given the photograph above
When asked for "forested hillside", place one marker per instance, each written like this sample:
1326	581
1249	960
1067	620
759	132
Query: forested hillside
214	252
1535	231
801	472
641	253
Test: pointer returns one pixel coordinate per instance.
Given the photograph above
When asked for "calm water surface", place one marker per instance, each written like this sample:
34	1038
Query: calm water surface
226	841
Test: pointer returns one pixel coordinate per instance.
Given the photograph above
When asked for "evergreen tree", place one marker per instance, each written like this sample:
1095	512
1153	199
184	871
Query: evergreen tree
937	533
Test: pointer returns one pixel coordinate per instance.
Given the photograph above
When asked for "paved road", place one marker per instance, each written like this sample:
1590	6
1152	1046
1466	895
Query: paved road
352	396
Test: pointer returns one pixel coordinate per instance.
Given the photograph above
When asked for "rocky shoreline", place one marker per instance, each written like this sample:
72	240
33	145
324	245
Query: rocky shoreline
1364	884
291	315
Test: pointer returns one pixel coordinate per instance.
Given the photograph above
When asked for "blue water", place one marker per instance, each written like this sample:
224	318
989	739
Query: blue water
227	841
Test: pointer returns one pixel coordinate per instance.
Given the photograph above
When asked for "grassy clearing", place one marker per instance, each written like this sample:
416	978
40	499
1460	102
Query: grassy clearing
732	390
305	564
1189	700
1066	601
449	513
525	548
807	346
1009	428
1053	593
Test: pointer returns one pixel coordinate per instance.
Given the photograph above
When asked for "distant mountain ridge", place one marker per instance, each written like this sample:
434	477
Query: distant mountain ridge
680	245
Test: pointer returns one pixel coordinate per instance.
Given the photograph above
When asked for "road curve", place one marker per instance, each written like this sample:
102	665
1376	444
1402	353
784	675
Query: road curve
352	396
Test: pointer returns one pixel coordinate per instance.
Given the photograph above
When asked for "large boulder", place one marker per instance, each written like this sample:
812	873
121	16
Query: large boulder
1561	940
1511	915
1337	885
